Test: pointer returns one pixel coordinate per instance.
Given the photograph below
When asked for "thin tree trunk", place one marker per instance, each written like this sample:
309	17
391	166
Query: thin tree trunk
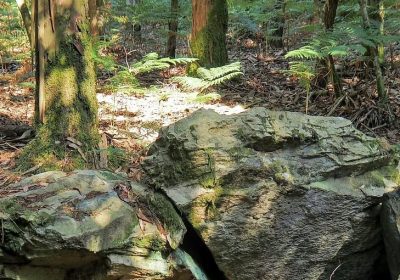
134	30
39	61
379	15
380	83
277	24
26	18
317	7
330	9
93	17
209	27
173	29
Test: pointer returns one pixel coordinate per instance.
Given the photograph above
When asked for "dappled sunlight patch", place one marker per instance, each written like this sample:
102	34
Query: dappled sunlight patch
162	109
103	218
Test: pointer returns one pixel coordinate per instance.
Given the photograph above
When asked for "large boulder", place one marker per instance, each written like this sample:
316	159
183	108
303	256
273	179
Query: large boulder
390	217
278	195
88	225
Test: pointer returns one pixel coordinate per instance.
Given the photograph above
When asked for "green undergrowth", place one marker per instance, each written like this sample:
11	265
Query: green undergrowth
117	157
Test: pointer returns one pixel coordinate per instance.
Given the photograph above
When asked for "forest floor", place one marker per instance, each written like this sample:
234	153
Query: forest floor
131	122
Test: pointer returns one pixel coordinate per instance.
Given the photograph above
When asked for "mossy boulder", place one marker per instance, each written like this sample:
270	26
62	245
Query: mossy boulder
76	226
278	195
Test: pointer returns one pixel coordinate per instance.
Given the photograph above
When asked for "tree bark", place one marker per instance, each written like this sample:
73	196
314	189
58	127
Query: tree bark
173	29
330	9
378	14
134	29
209	27
93	17
26	18
277	25
373	51
66	104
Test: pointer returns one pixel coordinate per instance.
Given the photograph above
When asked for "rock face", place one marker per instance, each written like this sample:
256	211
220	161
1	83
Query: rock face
390	217
278	195
87	225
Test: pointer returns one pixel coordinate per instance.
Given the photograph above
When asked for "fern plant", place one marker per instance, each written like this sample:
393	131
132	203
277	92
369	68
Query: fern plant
305	72
152	62
206	78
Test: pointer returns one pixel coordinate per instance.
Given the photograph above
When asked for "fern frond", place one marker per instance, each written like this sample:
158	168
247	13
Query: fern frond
207	78
219	72
151	62
189	83
220	80
306	52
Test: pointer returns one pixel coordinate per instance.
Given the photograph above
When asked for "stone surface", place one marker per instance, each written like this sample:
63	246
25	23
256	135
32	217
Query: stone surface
390	217
77	226
277	195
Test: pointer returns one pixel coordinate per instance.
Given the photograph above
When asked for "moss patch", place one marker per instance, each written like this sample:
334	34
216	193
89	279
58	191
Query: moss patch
166	213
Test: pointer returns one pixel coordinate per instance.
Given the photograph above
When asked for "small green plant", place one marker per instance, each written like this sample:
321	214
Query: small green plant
27	85
123	81
305	72
103	60
117	157
206	78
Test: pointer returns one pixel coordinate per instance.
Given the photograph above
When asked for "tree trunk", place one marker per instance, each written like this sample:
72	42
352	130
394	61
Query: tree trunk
317	11
277	25
93	17
209	27
379	15
173	29
373	51
26	19
66	104
133	29
330	9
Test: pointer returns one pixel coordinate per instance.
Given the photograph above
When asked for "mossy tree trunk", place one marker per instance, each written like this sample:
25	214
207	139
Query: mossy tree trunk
173	29
209	27
66	104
